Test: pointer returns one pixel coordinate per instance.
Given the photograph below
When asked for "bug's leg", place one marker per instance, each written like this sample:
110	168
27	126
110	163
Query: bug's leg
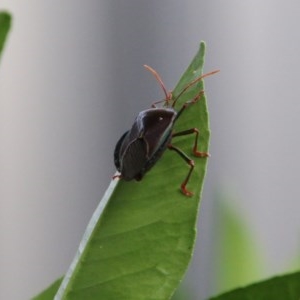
154	104
195	147
190	163
188	103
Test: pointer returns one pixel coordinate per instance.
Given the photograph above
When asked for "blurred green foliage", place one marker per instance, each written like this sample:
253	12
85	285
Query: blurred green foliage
5	23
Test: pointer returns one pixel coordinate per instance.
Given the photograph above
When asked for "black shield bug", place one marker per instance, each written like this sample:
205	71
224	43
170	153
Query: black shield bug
151	134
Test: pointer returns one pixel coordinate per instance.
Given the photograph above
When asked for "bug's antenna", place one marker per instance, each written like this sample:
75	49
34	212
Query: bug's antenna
192	83
158	78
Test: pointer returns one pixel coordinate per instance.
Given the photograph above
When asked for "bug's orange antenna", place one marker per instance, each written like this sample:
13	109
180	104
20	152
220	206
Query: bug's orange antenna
192	83
158	78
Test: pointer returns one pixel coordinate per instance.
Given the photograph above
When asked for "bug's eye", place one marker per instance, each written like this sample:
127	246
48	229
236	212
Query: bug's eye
160	118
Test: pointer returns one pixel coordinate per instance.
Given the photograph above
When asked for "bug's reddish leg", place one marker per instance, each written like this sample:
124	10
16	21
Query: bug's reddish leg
195	148
190	163
153	105
186	104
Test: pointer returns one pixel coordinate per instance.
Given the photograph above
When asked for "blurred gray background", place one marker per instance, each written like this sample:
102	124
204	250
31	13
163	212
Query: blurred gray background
72	81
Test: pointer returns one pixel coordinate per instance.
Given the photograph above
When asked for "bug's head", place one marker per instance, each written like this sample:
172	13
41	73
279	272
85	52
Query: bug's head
168	95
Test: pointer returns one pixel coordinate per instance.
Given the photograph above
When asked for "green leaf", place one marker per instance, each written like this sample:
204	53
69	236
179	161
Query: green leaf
279	288
141	237
50	292
5	22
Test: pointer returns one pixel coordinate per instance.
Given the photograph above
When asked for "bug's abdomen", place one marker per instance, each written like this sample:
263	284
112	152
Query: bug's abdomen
117	151
134	160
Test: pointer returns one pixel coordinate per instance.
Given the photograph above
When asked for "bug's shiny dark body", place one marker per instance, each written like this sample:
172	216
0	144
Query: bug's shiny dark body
140	147
151	134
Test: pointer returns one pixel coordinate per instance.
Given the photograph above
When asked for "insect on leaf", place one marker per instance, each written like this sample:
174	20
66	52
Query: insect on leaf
140	239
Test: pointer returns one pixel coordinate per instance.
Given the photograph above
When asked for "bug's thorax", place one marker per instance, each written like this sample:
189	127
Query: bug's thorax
154	125
158	118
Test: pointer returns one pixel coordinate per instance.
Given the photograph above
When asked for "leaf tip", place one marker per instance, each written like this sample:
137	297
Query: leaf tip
202	47
5	17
